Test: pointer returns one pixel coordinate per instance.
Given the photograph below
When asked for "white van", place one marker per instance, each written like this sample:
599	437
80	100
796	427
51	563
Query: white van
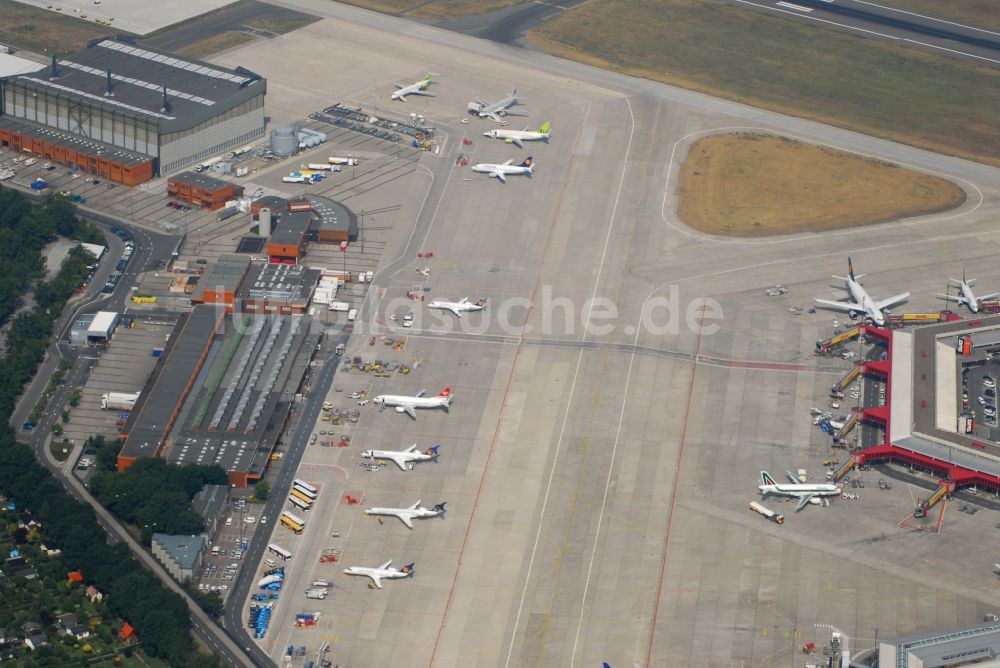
270	563
322	583
352	315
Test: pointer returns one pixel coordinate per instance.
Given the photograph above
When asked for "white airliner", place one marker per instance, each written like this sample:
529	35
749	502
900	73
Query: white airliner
506	169
497	109
407	515
384	571
403	457
806	493
407	404
965	296
458	307
415	88
862	303
520	136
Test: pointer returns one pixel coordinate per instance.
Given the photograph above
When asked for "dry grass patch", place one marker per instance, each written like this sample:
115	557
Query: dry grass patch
434	9
935	102
755	185
280	26
975	13
210	46
46	31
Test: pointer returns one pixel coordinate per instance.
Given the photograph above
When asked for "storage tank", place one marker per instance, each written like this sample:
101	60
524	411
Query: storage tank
284	141
264	222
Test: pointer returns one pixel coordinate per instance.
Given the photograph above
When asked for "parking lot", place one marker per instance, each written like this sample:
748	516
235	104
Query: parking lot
224	557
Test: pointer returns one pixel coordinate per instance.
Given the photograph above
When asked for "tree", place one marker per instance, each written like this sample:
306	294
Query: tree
262	490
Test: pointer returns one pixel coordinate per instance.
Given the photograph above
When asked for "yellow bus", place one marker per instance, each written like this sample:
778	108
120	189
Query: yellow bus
292	522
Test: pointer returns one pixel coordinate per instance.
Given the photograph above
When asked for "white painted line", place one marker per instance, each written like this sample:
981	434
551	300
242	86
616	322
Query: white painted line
961	53
572	387
795	7
924	16
814	18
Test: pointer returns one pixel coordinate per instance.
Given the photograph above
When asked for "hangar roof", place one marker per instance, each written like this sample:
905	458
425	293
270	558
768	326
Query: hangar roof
139	75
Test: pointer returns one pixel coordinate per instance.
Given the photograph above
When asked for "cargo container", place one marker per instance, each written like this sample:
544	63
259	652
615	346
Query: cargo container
119	400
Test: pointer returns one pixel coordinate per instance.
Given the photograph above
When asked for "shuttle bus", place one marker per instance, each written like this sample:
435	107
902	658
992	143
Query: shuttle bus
293	523
299	503
298	494
279	551
306	488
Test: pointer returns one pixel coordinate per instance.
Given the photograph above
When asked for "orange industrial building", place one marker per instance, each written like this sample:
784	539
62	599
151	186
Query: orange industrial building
77	153
202	191
295	222
220	286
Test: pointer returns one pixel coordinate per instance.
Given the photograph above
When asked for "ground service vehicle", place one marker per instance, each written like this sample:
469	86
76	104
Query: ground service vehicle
119	400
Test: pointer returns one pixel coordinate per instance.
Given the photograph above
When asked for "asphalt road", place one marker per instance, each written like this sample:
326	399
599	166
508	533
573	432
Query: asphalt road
869	19
232	619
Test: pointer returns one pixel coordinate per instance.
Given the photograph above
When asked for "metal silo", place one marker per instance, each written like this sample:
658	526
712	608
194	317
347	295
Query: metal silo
284	141
264	222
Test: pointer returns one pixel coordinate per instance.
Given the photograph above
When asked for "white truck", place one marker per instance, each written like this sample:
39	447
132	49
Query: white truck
119	401
340	306
350	162
317	592
352	315
208	163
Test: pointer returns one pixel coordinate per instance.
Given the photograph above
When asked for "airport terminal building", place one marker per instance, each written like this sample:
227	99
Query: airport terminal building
126	112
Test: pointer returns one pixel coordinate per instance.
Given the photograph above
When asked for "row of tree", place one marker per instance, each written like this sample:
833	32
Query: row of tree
159	615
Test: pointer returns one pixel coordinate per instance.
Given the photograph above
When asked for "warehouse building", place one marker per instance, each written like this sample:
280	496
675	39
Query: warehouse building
278	288
180	555
221	285
224	392
92	328
287	244
126	112
202	191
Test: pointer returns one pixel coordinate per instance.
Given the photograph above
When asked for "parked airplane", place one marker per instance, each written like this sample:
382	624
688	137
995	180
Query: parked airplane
384	571
508	168
403	457
520	136
458	307
407	404
415	88
495	110
965	295
407	515
806	493
862	303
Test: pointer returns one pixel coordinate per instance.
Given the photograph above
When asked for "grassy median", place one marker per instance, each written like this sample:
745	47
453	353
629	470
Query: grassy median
935	102
434	9
750	185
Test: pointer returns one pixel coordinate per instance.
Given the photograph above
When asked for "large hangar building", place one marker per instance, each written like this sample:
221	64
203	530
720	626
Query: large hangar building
127	112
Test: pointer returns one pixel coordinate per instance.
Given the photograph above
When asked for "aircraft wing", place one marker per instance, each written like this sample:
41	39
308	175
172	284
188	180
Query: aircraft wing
891	301
409	410
420	393
399	462
500	175
455	311
517	141
990	297
421	91
792	478
385	565
951	298
843	306
803	502
377	580
407	520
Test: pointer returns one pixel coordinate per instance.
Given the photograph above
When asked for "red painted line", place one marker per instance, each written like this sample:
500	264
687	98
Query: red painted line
503	405
673	500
